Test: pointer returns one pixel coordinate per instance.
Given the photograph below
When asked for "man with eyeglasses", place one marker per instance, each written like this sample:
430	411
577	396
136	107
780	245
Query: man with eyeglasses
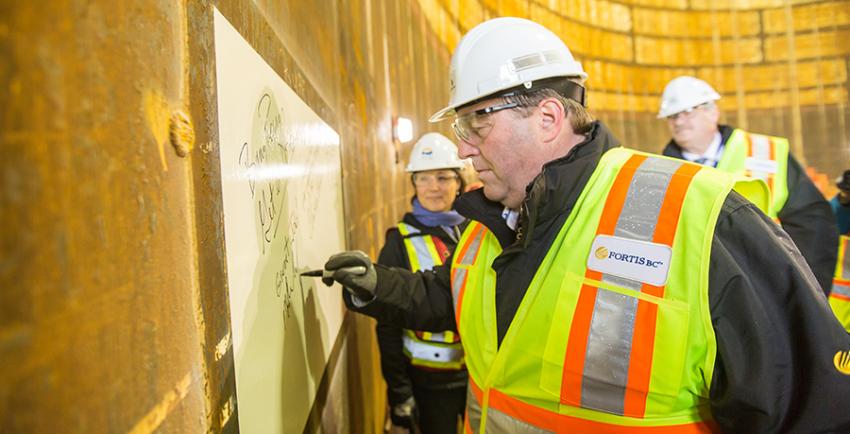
689	106
601	289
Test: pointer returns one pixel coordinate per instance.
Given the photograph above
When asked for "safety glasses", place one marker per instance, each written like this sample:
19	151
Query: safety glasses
426	179
474	126
689	113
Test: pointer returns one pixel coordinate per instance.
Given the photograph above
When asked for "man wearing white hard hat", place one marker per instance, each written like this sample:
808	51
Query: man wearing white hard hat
688	105
601	289
424	371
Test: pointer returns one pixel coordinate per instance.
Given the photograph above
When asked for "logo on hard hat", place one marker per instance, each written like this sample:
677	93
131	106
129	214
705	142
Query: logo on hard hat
427	152
842	362
601	253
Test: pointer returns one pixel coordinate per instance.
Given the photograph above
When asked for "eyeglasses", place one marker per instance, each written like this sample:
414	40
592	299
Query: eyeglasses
687	114
474	126
422	180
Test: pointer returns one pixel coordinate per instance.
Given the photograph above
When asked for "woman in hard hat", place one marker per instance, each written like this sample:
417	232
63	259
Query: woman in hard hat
425	373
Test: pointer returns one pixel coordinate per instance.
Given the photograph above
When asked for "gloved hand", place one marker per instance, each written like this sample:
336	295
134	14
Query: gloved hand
404	414
361	285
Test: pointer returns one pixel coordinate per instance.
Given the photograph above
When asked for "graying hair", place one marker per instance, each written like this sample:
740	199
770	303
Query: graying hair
581	120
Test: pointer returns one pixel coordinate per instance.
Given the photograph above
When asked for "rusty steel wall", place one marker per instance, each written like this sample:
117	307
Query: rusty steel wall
782	66
114	307
113	300
101	324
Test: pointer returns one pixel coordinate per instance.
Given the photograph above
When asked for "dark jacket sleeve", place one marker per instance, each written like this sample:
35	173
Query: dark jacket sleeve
808	219
393	361
417	301
776	336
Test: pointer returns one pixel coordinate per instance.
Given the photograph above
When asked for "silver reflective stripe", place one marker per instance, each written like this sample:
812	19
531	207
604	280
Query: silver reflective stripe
760	151
457	282
535	60
845	266
433	353
473	248
437	337
426	261
498	422
407	229
609	341
760	146
841	289
473	410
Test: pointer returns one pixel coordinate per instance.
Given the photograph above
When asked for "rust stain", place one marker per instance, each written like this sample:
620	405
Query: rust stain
157	115
181	133
156	415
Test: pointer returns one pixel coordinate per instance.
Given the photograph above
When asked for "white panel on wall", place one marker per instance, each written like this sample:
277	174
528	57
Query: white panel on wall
280	169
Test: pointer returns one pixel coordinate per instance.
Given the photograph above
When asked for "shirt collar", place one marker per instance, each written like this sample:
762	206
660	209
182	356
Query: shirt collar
711	155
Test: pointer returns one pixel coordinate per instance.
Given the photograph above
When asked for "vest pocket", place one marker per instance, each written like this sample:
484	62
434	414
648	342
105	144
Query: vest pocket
614	349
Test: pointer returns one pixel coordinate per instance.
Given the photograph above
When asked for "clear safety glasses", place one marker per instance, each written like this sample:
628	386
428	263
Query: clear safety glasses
689	113
474	126
443	180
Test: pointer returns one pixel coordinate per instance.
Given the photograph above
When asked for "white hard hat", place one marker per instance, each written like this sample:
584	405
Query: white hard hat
504	53
434	151
683	93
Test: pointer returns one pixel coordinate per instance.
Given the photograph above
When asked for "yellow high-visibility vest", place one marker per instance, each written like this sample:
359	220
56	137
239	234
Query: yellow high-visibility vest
761	157
441	350
839	297
614	333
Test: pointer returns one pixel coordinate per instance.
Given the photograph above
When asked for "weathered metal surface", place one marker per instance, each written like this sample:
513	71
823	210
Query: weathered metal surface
114	309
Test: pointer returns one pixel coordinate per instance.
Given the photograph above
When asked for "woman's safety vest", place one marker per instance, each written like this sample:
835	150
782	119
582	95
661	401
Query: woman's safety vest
761	157
613	334
426	349
839	297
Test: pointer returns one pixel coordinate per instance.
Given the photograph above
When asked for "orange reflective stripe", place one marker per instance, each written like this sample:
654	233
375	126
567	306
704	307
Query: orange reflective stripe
577	344
770	176
643	338
476	232
562	423
478	228
771	155
839	297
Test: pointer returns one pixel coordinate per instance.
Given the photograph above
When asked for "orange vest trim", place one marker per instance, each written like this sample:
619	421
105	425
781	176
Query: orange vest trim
772	157
561	423
643	338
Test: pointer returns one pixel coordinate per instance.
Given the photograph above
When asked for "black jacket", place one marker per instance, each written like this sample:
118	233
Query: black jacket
776	337
399	374
806	216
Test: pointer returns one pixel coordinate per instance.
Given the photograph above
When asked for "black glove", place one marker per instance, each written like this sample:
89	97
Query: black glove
404	414
354	270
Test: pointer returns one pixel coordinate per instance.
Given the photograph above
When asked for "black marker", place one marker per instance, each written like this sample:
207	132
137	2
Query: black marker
359	269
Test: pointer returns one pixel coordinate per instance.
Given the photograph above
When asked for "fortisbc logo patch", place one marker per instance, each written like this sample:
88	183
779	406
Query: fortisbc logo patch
427	152
842	362
601	253
636	260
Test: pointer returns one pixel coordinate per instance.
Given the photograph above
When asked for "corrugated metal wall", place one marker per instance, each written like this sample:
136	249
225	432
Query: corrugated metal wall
113	305
781	65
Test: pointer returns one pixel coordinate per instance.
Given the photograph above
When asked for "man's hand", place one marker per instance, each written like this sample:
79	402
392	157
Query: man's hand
341	266
404	414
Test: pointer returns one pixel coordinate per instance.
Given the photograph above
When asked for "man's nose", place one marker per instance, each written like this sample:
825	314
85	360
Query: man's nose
464	149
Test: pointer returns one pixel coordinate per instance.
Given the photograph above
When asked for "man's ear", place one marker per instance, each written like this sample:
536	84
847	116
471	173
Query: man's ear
552	118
